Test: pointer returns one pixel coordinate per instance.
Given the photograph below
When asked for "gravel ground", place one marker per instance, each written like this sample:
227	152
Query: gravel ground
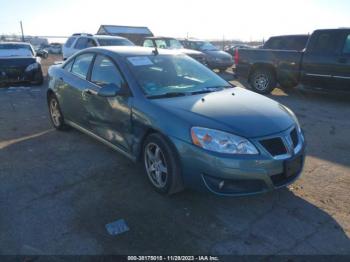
59	190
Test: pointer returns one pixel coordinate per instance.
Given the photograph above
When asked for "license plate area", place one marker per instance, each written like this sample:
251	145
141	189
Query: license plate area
293	166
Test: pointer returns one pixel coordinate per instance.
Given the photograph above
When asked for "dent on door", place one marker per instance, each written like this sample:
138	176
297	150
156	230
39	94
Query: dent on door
109	118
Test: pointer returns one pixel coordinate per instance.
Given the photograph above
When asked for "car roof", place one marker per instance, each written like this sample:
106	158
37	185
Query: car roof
108	37
126	51
15	43
160	37
300	35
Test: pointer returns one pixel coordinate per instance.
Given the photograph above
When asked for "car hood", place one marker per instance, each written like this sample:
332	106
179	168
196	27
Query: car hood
235	110
190	52
218	54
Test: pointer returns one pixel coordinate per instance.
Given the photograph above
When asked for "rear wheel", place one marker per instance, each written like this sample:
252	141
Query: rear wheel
263	81
161	165
56	114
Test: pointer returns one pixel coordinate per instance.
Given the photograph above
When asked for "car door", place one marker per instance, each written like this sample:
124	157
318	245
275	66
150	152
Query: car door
71	91
319	59
109	117
341	72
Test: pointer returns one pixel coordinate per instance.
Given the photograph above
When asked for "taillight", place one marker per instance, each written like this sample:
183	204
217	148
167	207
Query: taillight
236	56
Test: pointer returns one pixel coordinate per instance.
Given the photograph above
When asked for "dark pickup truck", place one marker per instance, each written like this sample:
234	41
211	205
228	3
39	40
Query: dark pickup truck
324	63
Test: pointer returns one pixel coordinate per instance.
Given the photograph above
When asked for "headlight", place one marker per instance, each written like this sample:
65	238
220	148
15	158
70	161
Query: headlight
221	142
32	67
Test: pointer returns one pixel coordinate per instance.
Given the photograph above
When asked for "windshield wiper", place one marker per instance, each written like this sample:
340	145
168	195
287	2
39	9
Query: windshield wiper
169	94
210	89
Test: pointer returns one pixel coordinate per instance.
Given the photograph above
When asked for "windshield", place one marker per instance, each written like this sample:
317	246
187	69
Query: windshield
11	50
169	44
114	42
163	74
206	46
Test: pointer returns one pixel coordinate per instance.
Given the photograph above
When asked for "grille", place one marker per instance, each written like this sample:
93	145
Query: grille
274	146
294	137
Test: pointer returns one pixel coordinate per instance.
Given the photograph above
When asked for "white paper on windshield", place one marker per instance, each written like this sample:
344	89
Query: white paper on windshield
140	60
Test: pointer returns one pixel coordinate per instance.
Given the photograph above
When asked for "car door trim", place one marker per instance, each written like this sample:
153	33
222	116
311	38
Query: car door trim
114	147
342	77
318	75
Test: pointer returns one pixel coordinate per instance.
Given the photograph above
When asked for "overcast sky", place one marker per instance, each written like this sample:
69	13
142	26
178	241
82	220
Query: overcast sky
211	19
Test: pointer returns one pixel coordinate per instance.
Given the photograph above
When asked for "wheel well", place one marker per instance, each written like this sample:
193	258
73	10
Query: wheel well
144	137
262	66
148	133
49	94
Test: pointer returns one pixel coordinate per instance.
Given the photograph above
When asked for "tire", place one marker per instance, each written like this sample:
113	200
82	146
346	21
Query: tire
161	165
262	81
56	115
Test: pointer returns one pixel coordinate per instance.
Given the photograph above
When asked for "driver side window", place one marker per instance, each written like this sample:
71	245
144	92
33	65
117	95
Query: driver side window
105	72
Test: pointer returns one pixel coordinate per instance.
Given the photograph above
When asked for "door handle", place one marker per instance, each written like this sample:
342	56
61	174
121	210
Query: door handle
89	91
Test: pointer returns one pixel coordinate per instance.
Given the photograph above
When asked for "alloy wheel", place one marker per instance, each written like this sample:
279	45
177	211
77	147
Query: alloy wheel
156	166
55	112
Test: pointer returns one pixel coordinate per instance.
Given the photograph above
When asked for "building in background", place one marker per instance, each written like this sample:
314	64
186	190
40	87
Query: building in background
135	34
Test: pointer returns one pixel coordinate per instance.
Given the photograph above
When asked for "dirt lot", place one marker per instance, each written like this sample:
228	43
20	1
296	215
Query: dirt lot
59	190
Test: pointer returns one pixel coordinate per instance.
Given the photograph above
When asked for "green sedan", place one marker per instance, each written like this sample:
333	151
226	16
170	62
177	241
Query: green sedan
185	124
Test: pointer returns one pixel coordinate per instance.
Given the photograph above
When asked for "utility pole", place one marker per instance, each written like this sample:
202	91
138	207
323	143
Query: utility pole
22	31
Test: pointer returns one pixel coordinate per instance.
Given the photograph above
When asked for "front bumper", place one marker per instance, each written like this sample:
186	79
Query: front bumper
236	175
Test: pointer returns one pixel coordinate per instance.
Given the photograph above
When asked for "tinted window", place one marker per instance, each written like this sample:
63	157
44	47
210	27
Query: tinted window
148	43
105	72
346	48
324	42
84	42
114	42
81	65
70	41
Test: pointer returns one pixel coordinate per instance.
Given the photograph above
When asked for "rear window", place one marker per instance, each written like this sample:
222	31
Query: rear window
13	50
69	42
287	43
324	42
114	42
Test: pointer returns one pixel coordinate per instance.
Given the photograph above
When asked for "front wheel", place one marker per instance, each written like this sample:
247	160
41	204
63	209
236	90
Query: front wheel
262	81
161	165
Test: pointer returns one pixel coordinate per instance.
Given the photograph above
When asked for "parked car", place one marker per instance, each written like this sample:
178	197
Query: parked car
231	49
79	41
188	126
287	42
324	63
216	59
41	52
55	48
172	43
18	63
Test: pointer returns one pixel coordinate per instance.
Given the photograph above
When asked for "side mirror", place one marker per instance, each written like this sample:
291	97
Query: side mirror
111	90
